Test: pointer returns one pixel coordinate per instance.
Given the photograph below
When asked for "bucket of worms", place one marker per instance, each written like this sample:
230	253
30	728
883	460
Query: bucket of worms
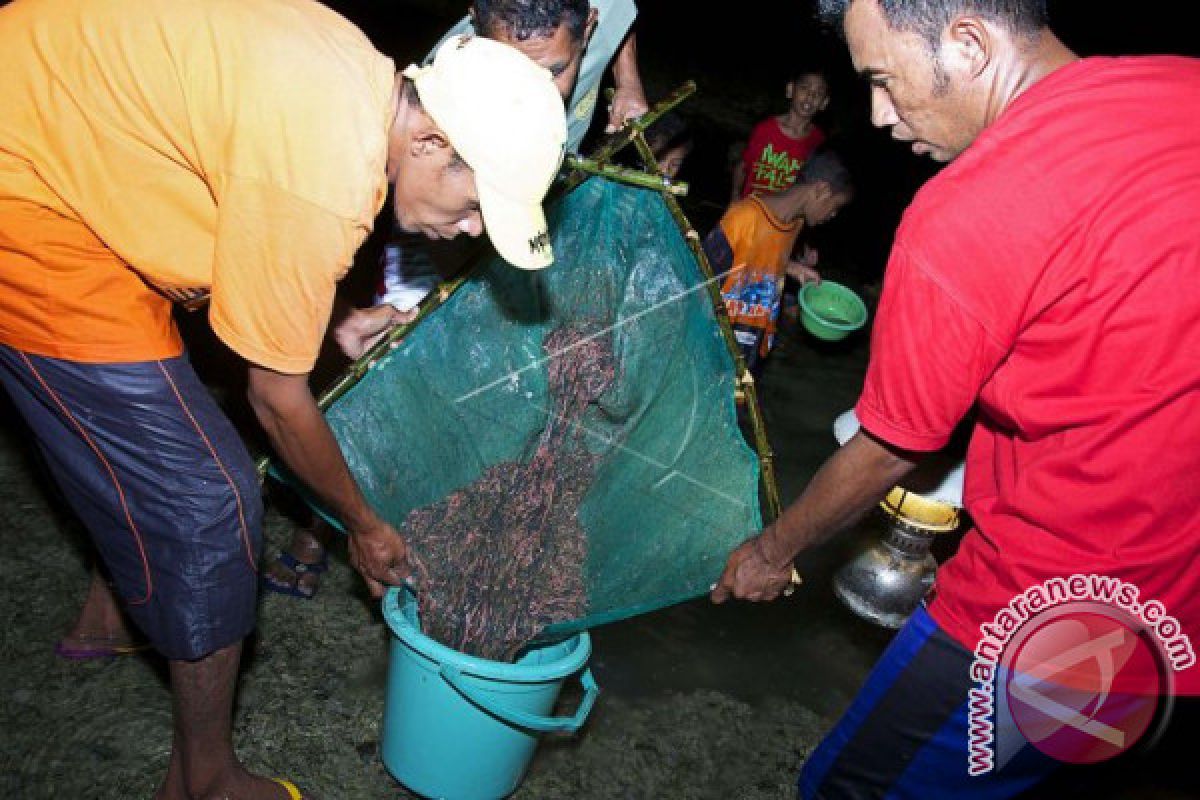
560	448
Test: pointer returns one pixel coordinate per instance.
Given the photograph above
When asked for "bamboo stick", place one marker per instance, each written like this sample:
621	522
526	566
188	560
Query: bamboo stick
633	177
766	457
622	138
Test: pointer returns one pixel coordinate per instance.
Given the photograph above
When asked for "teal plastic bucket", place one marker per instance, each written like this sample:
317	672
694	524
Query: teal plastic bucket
465	728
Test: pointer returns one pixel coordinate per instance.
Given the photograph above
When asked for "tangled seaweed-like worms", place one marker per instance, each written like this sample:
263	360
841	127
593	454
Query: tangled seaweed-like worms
500	560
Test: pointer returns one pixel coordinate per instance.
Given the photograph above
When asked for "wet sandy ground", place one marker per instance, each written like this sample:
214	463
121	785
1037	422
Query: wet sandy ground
698	701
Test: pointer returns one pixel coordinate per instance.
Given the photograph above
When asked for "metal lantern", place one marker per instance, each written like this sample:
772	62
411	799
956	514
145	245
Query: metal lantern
885	583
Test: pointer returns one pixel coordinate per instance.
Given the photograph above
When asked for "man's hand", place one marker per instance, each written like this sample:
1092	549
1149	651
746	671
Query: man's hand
380	555
846	487
629	99
750	575
361	328
302	438
628	102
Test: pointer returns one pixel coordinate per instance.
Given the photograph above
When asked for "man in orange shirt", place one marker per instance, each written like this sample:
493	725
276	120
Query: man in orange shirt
153	151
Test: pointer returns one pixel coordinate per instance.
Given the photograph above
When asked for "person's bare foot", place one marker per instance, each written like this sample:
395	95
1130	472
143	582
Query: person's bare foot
240	784
297	571
235	784
102	625
203	765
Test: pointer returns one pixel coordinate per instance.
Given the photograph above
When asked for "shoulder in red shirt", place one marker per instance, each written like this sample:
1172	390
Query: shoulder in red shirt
1048	275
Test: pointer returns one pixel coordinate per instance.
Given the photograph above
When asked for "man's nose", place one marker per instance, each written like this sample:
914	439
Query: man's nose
883	113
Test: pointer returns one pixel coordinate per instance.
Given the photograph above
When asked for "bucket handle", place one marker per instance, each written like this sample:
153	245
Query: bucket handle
454	676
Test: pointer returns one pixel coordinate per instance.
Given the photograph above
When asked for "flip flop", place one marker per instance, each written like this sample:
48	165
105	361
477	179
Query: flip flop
89	653
291	788
300	569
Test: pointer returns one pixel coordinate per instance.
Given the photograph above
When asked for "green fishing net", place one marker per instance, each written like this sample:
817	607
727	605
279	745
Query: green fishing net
675	484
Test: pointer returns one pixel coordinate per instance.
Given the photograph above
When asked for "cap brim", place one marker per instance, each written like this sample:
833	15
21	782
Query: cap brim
517	229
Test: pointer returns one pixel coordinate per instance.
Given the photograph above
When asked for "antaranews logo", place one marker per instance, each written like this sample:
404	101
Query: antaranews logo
1079	667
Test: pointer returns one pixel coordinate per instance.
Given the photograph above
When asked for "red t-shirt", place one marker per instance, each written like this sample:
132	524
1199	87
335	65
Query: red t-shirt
773	159
1051	274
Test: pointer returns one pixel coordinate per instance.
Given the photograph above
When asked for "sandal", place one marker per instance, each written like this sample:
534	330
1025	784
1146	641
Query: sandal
300	569
99	651
289	787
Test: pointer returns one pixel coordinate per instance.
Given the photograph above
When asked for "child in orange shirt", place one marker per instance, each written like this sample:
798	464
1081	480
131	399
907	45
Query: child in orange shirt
751	249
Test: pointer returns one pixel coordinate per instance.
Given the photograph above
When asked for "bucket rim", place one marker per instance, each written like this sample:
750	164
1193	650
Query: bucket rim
398	597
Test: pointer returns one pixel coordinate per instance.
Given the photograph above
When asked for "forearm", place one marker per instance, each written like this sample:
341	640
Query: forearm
845	488
625	66
302	439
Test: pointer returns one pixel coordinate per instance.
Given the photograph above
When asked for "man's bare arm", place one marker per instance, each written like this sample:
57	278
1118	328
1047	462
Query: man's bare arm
629	98
300	435
847	485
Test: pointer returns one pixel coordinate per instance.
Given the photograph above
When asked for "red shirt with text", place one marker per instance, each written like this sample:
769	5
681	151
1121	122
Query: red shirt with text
772	159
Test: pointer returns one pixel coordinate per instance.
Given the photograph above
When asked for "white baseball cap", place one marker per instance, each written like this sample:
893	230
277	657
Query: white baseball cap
504	116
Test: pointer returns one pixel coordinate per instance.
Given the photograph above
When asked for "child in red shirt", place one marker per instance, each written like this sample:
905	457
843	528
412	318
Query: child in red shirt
779	145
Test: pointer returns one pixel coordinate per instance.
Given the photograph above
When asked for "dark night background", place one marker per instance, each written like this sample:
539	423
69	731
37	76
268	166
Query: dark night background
741	54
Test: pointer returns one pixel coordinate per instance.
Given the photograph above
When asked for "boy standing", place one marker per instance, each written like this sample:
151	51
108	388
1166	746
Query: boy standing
752	247
779	145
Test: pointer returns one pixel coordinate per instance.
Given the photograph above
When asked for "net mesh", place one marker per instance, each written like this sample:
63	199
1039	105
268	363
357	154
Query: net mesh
673	484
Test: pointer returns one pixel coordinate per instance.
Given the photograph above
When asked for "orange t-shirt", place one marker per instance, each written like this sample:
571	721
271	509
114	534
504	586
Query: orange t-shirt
761	245
155	145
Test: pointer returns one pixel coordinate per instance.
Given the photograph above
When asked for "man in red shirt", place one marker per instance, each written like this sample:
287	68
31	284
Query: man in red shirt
1050	271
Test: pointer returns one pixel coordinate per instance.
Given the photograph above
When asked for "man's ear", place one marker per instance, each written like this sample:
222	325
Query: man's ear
427	139
970	41
789	90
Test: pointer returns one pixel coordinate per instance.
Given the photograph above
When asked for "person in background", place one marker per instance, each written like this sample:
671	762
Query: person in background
671	141
752	245
1050	270
573	39
147	167
576	41
779	145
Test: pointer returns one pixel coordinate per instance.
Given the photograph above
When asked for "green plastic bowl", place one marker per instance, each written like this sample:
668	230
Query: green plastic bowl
830	311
